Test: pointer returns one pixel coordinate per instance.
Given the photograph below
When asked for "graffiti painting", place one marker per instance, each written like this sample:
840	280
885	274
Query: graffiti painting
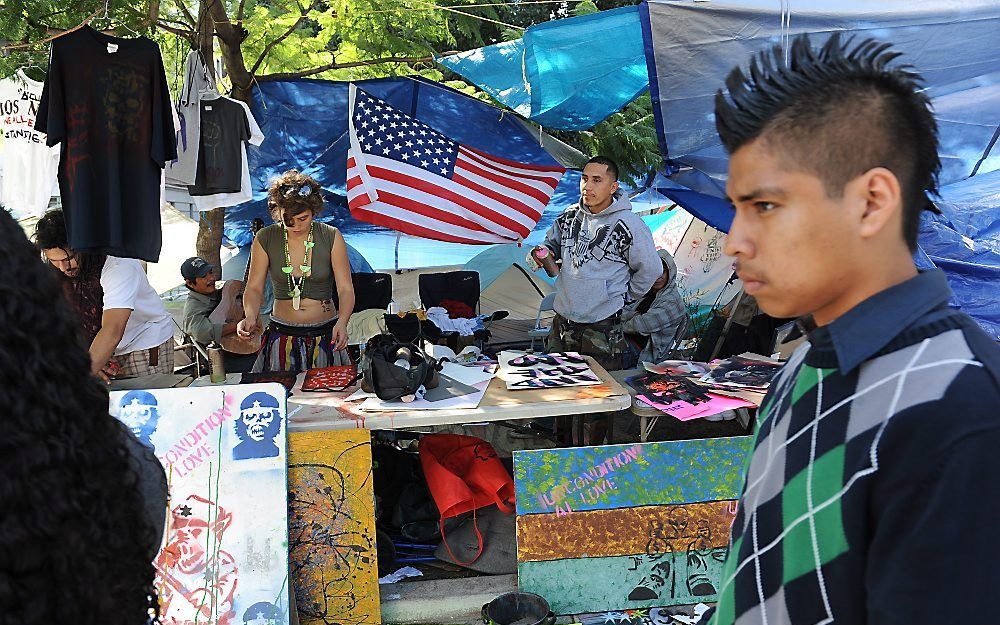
331	537
223	560
536	371
740	371
651	521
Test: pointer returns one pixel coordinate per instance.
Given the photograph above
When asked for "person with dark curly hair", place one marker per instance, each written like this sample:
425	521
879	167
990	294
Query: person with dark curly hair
82	501
304	260
125	324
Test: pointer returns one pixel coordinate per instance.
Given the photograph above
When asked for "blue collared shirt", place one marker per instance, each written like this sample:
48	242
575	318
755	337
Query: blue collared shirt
866	329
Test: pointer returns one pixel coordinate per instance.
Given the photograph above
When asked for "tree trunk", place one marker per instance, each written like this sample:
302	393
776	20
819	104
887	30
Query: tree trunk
210	229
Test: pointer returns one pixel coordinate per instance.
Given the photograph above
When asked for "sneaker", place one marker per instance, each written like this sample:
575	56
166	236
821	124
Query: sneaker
727	415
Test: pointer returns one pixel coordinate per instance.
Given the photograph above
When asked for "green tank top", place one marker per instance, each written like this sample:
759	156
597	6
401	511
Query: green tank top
319	285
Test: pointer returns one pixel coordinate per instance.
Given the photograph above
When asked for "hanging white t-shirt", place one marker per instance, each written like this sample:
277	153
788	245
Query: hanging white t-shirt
126	286
245	194
29	166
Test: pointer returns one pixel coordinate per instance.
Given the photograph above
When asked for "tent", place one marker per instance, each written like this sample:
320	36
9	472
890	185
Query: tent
507	283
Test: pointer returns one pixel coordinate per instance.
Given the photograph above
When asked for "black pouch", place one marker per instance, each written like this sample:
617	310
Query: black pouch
389	381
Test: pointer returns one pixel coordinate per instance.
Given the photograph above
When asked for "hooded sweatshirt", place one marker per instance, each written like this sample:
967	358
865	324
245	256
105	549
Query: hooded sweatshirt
665	319
608	260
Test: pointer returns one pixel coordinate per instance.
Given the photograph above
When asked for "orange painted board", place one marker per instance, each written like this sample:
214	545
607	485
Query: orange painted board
331	527
624	531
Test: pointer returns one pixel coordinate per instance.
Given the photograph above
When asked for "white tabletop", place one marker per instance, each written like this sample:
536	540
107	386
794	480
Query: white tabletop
328	411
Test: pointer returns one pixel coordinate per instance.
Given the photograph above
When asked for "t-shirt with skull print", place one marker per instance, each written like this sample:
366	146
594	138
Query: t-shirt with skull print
106	103
224	128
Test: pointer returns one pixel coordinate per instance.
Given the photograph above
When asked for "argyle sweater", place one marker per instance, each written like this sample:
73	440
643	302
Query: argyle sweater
872	493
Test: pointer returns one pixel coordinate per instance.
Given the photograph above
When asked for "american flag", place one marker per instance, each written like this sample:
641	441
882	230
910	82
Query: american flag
404	175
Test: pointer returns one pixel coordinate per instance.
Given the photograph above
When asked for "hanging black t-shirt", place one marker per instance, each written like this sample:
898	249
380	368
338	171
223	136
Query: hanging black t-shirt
106	101
224	128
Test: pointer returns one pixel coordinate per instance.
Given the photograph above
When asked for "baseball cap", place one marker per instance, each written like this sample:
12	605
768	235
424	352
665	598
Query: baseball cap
195	267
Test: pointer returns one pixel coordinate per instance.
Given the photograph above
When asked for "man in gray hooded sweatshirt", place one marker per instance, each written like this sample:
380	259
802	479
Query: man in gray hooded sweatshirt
608	260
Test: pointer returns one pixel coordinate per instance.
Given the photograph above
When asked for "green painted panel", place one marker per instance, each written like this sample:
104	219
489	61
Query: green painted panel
625	582
624	476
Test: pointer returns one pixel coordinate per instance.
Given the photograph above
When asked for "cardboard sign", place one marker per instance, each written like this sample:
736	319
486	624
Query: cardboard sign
224	560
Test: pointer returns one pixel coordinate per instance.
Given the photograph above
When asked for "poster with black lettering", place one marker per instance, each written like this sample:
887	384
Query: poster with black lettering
537	371
225	558
29	166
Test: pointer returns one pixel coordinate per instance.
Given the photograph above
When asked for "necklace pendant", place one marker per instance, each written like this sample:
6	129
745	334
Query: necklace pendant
306	269
296	298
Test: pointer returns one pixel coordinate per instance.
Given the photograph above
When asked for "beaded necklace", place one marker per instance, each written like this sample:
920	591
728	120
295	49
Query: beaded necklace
295	284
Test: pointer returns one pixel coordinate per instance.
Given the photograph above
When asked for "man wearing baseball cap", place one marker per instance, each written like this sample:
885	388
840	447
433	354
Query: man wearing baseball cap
203	298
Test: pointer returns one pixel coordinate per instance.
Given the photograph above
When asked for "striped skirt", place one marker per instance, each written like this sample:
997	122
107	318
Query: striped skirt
289	346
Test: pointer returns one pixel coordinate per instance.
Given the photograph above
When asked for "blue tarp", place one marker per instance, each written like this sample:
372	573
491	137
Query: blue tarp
964	241
305	127
692	46
568	74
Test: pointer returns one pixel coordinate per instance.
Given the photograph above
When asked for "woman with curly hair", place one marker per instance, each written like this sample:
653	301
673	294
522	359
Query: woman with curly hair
82	501
304	260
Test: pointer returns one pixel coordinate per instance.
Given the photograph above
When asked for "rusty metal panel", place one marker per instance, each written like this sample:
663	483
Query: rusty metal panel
624	531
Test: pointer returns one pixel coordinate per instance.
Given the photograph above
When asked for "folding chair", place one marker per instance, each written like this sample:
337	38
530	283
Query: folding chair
372	291
192	350
539	331
461	286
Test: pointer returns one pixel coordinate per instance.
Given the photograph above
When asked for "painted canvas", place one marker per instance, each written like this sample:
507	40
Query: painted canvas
626	527
740	371
225	559
331	528
680	397
534	371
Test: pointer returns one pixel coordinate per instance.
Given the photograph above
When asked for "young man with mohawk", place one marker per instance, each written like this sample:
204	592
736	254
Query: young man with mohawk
871	494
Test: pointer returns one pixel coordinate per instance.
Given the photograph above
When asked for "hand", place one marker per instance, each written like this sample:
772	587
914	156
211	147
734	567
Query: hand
109	371
339	338
246	328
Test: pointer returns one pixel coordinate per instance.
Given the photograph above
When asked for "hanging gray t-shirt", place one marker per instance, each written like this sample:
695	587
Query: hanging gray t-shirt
224	128
181	172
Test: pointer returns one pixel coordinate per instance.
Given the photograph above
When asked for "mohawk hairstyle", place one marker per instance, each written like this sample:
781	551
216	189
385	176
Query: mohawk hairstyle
837	112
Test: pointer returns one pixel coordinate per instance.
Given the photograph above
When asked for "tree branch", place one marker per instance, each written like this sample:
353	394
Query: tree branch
175	23
55	35
154	12
303	12
239	11
186	34
187	13
222	24
334	65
